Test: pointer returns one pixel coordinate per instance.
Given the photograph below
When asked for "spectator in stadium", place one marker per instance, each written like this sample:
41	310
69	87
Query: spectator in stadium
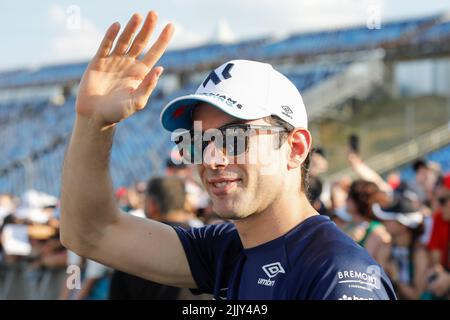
314	193
319	165
319	162
394	179
275	233
165	198
368	232
136	199
176	167
338	208
47	263
409	261
420	169
7	206
366	173
122	199
209	216
425	179
196	197
73	276
94	279
440	236
33	254
440	241
47	247
394	186
404	190
96	282
34	215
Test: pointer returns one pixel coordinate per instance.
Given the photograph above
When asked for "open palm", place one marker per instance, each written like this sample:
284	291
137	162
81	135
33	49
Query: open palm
116	83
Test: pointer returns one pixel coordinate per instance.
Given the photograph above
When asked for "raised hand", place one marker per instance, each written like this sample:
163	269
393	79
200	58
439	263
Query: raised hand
117	83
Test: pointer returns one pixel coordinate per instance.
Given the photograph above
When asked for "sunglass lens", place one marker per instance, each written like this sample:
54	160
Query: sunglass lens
235	142
235	145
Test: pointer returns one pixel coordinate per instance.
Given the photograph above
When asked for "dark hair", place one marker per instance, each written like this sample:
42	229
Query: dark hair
364	194
168	192
276	121
319	150
417	232
314	189
419	164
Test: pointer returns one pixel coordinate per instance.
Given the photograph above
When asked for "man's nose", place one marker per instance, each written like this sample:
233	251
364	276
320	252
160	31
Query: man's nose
214	157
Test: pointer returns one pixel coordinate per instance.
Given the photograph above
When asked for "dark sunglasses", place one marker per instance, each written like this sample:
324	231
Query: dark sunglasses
443	200
231	139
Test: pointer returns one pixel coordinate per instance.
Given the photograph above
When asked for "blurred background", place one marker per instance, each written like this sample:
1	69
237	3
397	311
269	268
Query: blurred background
375	78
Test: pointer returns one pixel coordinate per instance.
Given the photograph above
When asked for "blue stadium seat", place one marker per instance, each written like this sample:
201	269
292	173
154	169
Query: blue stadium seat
437	33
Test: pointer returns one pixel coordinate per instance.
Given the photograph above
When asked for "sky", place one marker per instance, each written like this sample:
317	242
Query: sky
35	33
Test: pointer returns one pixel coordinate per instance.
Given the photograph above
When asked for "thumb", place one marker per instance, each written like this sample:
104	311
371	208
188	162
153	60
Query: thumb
143	91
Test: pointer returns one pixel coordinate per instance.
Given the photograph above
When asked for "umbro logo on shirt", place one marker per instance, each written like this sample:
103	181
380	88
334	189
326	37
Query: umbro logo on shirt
271	270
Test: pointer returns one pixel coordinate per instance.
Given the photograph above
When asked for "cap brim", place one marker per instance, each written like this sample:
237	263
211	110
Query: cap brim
411	219
382	214
342	214
177	114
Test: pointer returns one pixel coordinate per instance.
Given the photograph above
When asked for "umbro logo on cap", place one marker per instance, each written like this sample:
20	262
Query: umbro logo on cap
287	111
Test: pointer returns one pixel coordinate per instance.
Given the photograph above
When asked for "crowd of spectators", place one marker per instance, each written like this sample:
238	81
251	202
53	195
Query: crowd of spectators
404	225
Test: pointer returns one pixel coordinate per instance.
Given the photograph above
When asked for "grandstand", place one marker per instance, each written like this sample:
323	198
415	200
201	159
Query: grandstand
339	72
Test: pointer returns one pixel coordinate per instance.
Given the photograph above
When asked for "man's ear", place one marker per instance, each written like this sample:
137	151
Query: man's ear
300	143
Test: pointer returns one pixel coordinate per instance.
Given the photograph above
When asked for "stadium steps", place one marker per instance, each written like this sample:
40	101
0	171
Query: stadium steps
357	81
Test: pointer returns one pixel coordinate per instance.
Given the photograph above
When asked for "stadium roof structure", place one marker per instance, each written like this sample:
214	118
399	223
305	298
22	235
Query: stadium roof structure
417	32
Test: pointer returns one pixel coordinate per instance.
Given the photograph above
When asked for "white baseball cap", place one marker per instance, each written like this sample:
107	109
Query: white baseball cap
401	210
244	89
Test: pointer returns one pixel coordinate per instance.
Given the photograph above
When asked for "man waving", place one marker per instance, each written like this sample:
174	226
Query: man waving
246	129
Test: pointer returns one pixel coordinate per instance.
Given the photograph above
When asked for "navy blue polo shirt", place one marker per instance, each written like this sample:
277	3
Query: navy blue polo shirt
315	260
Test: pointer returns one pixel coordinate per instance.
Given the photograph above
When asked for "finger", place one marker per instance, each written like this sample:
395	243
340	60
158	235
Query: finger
144	35
158	48
108	40
143	91
125	38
